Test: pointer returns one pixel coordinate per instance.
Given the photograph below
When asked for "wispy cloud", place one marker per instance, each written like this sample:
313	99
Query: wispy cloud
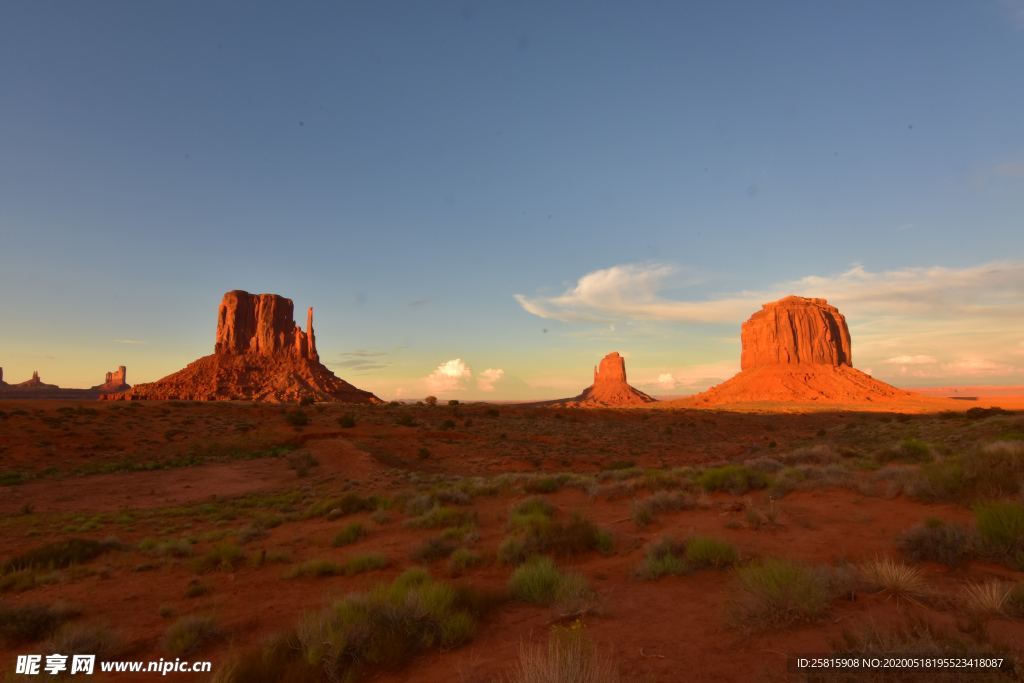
361	361
129	341
634	291
933	321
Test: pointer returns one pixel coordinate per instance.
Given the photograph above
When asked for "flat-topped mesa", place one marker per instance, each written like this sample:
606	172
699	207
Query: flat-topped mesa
262	325
116	380
796	330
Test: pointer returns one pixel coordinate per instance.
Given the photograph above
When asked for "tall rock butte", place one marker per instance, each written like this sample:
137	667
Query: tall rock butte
259	354
116	380
797	349
610	388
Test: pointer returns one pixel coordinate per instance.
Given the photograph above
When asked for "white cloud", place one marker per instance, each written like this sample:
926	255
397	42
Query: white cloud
632	291
129	341
911	360
451	375
666	381
486	379
945	314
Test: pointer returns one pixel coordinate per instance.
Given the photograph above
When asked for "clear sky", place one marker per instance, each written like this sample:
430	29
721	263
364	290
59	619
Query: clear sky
464	187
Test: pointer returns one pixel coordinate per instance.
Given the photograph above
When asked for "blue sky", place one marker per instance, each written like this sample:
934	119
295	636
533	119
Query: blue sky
409	168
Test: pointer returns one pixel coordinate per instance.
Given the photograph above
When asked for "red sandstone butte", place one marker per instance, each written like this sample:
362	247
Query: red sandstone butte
116	380
797	349
260	354
610	389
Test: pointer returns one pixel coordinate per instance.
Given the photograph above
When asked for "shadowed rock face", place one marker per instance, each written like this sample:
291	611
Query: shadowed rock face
796	331
259	354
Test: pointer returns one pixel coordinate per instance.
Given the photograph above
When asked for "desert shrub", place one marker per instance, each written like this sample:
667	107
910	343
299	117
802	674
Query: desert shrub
92	638
991	471
539	581
703	552
439	516
382	629
531	511
733	478
365	563
191	634
1001	531
463	559
301	462
902	581
936	541
196	589
644	510
175	547
776	592
546	484
536	534
315	568
348	504
568	657
349	535
1015	601
668	557
436	548
59	555
30	623
990	598
908	450
924	640
347	421
223	556
296	418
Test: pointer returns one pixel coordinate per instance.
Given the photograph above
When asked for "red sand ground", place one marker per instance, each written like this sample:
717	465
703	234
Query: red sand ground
676	628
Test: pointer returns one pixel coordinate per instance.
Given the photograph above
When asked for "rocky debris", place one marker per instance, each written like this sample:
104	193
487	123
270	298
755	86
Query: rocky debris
796	331
610	388
797	349
259	354
116	380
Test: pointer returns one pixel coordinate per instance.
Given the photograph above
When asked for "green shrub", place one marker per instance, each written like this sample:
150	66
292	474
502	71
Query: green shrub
365	563
296	418
223	556
438	517
733	478
540	582
349	535
463	559
908	450
536	534
59	555
191	634
382	629
778	592
347	421
936	541
348	504
1001	531
315	568
644	510
432	549
668	557
31	623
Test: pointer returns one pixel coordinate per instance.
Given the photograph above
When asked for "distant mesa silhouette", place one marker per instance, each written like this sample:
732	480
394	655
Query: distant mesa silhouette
37	388
798	349
610	388
117	380
260	354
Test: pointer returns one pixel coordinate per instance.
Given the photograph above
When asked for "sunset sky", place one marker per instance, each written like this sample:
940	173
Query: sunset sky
482	199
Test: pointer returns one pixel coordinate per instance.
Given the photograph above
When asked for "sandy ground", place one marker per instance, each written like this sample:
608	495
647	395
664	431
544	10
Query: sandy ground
70	467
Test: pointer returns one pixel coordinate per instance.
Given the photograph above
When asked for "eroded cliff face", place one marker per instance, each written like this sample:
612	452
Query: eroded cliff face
262	325
259	354
796	331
